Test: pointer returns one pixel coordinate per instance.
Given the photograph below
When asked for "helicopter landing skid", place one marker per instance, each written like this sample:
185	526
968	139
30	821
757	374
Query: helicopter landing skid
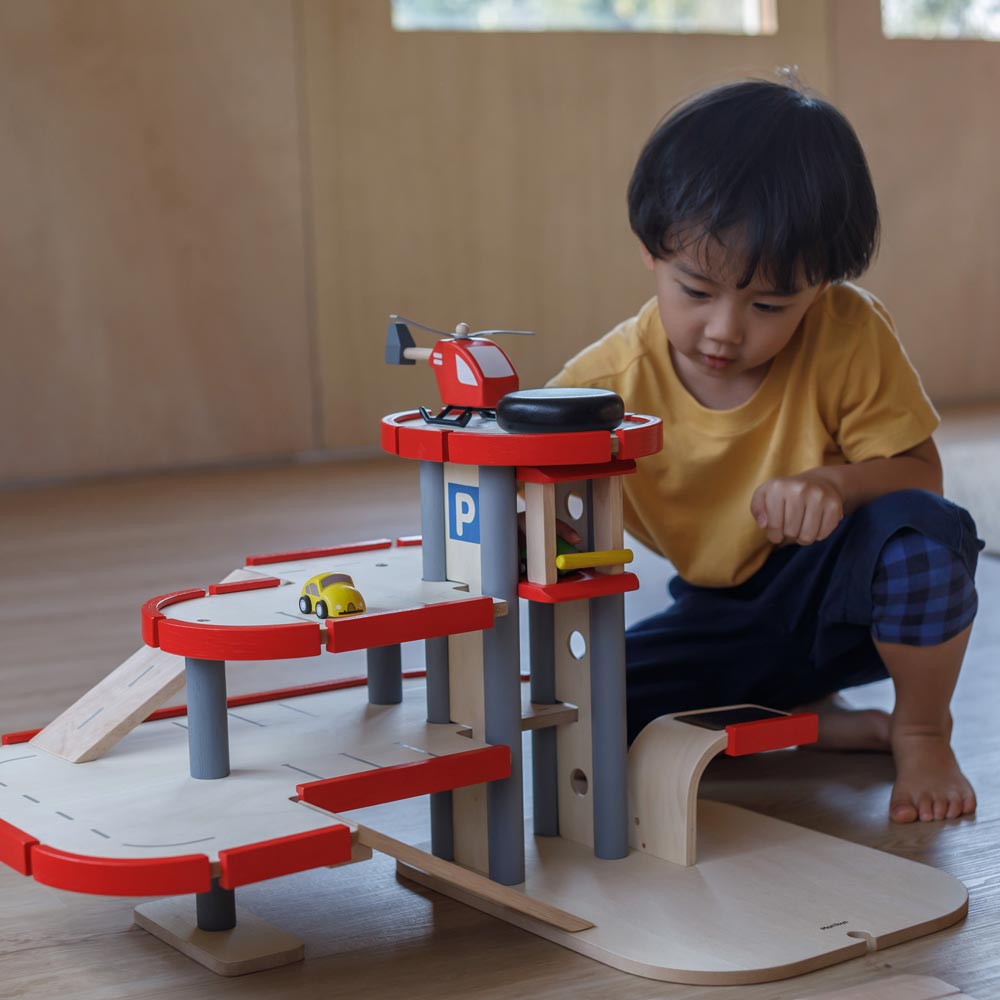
455	416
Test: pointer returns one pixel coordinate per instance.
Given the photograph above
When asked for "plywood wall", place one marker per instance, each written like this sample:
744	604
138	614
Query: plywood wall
928	113
210	207
152	263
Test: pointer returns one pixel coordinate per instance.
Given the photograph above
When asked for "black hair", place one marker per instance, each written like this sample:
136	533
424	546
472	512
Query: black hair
777	167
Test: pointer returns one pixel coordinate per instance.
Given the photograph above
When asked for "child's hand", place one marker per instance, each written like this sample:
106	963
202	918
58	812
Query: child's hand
801	509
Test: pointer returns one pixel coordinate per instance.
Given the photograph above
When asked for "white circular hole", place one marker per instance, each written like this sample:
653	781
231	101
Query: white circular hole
577	645
578	780
574	506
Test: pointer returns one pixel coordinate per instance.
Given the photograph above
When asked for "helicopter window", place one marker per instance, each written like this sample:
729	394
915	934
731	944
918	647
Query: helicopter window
491	360
464	372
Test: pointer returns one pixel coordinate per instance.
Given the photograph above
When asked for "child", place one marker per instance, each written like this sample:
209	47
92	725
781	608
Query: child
798	489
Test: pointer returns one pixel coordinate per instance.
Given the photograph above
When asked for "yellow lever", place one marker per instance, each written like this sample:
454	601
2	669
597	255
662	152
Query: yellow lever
585	560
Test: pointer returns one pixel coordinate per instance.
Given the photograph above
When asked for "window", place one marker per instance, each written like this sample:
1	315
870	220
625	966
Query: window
941	18
737	17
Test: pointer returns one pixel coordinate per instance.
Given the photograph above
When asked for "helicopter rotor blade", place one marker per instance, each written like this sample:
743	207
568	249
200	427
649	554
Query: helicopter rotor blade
420	326
493	333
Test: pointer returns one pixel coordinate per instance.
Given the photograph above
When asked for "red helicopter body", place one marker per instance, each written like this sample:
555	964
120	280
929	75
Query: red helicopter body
472	373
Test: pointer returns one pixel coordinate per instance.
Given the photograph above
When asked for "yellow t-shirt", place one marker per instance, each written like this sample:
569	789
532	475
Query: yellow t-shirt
842	390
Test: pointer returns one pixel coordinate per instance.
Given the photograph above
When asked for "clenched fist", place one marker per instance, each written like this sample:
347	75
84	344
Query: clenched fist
801	509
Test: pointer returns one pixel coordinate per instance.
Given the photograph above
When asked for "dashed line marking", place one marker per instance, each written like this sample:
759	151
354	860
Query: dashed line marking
301	711
143	674
243	718
174	722
302	770
64	815
360	759
409	746
100	834
27	756
30	799
90	718
183	843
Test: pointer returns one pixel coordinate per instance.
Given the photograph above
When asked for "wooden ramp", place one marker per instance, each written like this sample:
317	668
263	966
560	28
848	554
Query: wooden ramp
114	707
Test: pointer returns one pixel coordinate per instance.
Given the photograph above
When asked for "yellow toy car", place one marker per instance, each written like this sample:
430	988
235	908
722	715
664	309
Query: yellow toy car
331	595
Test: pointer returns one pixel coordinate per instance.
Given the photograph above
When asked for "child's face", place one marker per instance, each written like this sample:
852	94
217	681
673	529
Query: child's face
723	338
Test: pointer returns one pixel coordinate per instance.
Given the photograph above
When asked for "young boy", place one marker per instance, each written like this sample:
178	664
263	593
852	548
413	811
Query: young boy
798	489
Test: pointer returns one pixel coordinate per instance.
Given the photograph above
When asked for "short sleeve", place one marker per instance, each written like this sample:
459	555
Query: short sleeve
883	407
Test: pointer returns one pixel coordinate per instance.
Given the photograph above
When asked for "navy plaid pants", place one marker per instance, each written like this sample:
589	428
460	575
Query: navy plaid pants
901	569
922	594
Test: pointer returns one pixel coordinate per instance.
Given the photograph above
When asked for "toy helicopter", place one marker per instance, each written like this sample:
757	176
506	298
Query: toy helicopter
472	372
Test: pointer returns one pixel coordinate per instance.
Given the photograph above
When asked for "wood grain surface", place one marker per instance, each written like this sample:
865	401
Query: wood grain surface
79	561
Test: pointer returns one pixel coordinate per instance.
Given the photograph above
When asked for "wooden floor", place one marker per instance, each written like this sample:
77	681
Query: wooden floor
78	562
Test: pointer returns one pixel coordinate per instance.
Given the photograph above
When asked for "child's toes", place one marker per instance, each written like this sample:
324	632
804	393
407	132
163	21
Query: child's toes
902	810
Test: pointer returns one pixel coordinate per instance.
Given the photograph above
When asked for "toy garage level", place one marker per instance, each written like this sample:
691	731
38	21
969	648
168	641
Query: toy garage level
618	860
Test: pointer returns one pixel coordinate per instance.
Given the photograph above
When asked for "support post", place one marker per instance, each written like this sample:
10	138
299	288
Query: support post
432	527
610	741
216	908
544	761
501	666
208	723
385	675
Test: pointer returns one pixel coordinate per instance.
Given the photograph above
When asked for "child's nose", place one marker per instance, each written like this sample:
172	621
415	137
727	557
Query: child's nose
726	327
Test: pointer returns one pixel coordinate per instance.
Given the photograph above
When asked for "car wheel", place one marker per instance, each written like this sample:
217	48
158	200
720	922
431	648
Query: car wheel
305	605
322	611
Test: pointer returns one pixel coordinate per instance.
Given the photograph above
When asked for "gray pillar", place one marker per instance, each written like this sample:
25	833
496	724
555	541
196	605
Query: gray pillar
385	675
501	668
216	908
432	527
544	773
432	520
607	704
208	723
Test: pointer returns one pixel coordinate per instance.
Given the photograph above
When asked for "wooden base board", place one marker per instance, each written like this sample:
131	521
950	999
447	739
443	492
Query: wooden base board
251	946
767	900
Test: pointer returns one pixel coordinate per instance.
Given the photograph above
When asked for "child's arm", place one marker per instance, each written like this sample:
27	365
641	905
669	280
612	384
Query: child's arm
807	507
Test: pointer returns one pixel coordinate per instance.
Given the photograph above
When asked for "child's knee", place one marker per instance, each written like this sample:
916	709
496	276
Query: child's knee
922	592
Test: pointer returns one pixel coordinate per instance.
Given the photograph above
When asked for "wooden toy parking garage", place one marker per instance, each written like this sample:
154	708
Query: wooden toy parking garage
617	860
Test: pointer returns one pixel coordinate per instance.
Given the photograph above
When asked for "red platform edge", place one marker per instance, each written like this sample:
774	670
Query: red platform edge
582	585
571	473
404	781
772	734
238	642
264	583
189	873
638	436
407	540
297	852
152	616
641	435
336	550
16	847
388	628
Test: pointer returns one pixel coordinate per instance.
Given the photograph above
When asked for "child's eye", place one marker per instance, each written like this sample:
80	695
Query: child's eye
765	307
693	292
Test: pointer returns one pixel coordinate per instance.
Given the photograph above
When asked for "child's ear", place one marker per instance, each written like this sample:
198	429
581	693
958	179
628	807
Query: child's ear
647	257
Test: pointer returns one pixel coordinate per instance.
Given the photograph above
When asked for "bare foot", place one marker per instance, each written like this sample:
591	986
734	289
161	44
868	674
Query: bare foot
844	728
929	784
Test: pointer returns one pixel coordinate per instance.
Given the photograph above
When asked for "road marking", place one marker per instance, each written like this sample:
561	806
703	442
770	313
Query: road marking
183	843
90	718
302	770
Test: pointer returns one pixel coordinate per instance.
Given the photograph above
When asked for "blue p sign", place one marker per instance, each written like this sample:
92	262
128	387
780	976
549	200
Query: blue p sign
463	512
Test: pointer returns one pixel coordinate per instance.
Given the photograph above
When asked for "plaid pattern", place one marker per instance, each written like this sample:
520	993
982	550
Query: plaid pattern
922	595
